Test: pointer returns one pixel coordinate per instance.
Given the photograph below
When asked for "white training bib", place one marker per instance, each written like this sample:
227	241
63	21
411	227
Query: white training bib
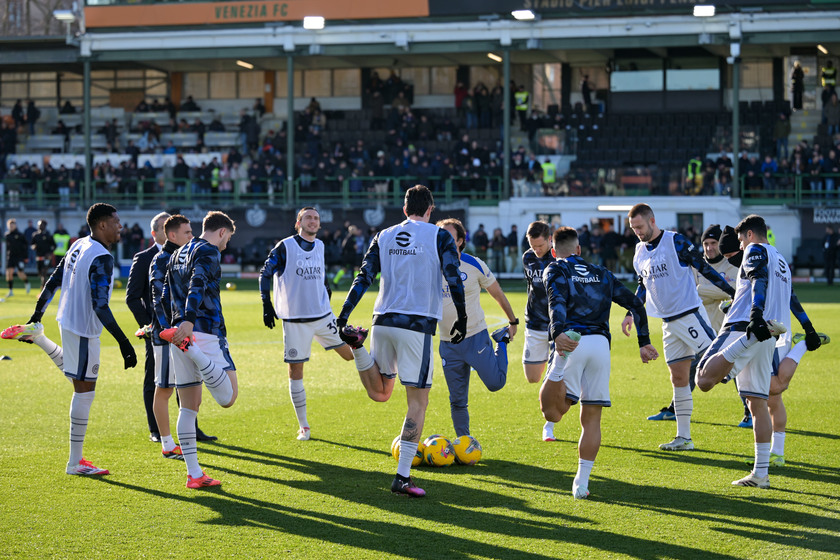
299	290
410	267
670	286
75	309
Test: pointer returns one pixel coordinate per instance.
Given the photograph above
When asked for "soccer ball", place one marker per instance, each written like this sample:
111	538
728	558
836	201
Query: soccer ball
230	286
430	438
418	457
467	450
439	453
118	284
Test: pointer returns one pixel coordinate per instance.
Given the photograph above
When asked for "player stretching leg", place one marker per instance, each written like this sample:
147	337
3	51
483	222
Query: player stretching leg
410	257
759	310
580	295
178	231
84	277
192	290
476	351
296	269
663	262
537	344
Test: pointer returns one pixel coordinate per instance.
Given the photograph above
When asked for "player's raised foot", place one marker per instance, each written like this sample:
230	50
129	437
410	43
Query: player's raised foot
352	336
679	444
746	422
777	460
144	331
24	333
167	334
580	492
776	328
203	481
86	468
304	434
752	480
406	486
824	338
176	454
501	335
548	432
664	414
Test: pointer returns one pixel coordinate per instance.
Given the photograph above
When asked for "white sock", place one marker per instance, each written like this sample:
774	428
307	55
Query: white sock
582	476
762	459
298	394
79	415
189	444
408	450
548	429
797	351
683	407
778	443
738	347
363	359
215	378
52	349
167	442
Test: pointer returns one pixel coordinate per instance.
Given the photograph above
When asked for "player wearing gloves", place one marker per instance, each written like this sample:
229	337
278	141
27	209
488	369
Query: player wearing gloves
787	355
759	311
411	257
296	272
84	277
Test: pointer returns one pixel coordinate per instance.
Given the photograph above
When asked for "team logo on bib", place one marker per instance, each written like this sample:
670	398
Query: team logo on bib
403	239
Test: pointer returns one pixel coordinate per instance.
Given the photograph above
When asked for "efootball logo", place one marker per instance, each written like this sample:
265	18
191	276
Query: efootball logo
403	239
582	270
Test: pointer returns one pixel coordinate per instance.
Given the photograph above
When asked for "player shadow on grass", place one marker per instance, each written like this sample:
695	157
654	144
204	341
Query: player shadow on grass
763	513
530	528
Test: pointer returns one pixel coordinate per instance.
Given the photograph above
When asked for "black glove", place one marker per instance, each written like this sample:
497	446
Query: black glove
812	339
757	326
36	317
127	351
459	330
268	314
341	322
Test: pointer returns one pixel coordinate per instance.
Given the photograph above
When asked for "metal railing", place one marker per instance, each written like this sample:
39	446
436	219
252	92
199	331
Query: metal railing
795	190
225	192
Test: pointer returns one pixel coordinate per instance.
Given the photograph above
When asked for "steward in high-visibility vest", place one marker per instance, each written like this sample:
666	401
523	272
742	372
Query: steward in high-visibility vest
829	75
771	237
522	99
62	243
549	171
694	176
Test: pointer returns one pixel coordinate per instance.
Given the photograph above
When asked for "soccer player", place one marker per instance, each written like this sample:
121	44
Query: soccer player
663	262
84	276
178	232
198	330
43	244
785	358
711	296
536	350
580	295
759	311
410	256
475	351
138	298
296	272
17	255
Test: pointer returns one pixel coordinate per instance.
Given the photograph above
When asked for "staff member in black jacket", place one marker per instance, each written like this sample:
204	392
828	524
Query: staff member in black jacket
138	297
17	255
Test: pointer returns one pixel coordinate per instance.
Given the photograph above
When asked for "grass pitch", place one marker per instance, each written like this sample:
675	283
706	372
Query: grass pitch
330	498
